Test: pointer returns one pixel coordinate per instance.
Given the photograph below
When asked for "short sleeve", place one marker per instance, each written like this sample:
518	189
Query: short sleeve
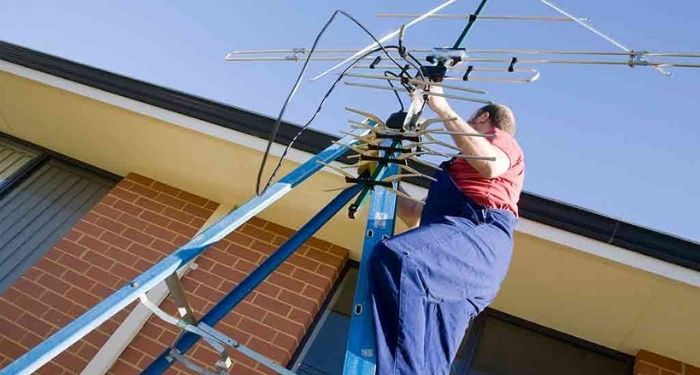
504	141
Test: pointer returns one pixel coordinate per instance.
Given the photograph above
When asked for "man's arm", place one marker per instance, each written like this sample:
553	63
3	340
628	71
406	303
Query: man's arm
409	210
472	146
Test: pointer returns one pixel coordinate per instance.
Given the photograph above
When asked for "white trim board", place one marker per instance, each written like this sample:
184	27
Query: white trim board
581	243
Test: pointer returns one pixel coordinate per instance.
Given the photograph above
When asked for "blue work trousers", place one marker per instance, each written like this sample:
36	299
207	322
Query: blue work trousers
429	282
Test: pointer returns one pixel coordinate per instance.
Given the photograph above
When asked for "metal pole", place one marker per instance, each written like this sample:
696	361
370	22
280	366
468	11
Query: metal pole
386	37
472	19
91	319
235	296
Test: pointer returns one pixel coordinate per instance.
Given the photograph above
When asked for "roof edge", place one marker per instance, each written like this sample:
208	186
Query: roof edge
547	211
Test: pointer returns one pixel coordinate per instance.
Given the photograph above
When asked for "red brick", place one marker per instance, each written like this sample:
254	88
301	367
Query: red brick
659	360
271	304
197	211
170	201
31	340
305	304
304	262
139	179
286	341
245	266
47	265
127	207
123	368
183	229
82	298
314	293
666	372
98	260
70	360
257	233
145	252
29	287
35	325
212	205
105	210
209	293
338	251
110	225
643	368
101	290
73	262
250	310
194	199
163	246
77	280
312	278
122	256
108	200
160	233
206	278
56	301
279	229
286	269
93	244
324	257
263	247
327	271
691	370
90	217
154	218
11	349
285	325
87	352
198	222
245	253
163	188
256	329
124	272
318	243
150	204
139	237
286	282
106	278
144	191
53	283
88	228
269	350
11	330
9	310
268	289
70	247
178	215
56	317
240	238
228	273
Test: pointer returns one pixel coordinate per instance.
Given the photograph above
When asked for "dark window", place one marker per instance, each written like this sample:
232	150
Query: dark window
495	344
41	198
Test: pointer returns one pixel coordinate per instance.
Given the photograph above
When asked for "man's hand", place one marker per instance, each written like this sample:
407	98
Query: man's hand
438	104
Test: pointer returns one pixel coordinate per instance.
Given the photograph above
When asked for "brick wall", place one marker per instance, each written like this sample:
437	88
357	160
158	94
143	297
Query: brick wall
648	363
272	320
135	225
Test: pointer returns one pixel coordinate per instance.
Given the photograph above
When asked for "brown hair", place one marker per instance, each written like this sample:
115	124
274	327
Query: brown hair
500	116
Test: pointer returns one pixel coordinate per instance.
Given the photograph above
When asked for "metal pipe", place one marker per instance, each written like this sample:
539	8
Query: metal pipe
463	98
91	319
417	82
386	37
255	278
467	16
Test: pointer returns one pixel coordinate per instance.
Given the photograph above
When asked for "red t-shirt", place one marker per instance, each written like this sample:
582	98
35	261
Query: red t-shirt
502	192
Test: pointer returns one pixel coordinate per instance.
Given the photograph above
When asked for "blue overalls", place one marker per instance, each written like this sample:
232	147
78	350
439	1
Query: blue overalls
429	282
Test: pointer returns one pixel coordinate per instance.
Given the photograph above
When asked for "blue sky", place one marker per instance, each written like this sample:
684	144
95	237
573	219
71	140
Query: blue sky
620	141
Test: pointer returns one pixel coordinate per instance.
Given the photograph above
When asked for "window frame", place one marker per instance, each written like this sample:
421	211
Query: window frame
471	336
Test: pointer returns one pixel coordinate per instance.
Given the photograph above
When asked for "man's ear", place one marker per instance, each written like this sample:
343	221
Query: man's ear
484	117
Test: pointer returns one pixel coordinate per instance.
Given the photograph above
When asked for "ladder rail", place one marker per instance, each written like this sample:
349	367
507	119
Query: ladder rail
92	318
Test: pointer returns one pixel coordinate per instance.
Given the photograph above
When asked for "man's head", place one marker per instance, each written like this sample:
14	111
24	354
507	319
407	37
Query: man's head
493	115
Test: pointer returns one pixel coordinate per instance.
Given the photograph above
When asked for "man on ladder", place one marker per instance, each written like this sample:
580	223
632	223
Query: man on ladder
429	282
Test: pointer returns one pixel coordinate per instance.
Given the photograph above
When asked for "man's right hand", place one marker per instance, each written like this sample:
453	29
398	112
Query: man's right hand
438	104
